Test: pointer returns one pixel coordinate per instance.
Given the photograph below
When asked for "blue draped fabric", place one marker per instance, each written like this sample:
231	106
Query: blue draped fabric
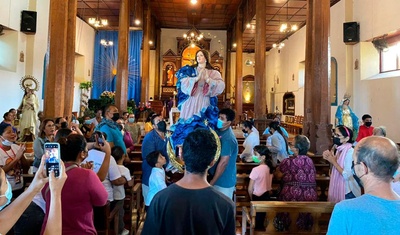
105	64
182	128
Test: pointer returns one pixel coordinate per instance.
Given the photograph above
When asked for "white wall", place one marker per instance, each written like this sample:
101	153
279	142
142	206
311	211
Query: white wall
34	48
283	73
378	97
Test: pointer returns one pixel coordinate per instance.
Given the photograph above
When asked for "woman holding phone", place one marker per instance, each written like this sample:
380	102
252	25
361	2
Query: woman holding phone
79	196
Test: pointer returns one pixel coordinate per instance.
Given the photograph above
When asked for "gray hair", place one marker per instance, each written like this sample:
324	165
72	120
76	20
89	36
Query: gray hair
302	143
380	155
380	131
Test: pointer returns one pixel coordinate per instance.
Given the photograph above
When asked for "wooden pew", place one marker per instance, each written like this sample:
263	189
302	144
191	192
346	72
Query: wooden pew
320	211
103	216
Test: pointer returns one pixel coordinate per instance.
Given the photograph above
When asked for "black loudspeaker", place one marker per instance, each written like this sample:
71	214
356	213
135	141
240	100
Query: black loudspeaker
28	22
351	32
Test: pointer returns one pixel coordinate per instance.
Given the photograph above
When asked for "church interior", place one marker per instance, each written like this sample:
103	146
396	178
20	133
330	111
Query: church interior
299	59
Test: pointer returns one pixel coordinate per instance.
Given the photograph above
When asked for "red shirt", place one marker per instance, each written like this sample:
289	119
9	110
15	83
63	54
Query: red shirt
82	190
364	132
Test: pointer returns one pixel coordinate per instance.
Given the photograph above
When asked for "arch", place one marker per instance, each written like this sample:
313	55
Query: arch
188	55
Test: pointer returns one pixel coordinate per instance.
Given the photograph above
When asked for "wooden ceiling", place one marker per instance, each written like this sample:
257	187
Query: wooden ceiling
206	14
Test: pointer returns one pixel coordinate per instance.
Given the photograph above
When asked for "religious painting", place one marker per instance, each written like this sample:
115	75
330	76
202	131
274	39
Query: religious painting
288	103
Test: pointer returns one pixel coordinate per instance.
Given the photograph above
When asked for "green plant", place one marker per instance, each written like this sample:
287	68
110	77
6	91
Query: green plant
85	85
131	106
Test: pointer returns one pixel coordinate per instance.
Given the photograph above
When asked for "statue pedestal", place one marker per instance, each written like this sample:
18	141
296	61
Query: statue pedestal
174	114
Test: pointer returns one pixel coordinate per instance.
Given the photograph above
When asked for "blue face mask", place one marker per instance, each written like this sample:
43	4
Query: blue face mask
7	195
396	174
88	122
220	124
131	120
245	135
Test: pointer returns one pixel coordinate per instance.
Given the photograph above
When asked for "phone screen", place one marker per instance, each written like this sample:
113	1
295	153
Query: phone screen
99	138
52	154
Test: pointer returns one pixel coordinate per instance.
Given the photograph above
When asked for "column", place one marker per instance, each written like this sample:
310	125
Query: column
228	93
260	101
54	96
317	102
157	86
239	64
146	55
121	93
70	58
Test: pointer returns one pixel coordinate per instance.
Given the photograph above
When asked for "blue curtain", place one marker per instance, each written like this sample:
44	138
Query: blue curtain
105	64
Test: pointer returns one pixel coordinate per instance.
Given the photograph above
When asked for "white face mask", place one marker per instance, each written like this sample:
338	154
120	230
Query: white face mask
8	195
5	142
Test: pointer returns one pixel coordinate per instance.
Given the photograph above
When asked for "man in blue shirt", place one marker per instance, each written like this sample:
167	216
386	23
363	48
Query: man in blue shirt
109	126
224	171
155	140
375	161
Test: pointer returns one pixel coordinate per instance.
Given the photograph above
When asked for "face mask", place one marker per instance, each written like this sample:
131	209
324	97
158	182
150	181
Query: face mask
244	131
270	132
64	125
220	124
245	135
255	159
8	195
88	122
115	117
162	126
5	142
336	141
131	120
396	174
368	124
356	178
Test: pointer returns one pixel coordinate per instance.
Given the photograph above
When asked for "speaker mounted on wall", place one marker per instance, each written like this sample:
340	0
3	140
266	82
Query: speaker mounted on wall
351	33
28	22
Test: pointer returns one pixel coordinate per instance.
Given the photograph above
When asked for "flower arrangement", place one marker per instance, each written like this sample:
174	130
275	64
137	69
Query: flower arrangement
107	94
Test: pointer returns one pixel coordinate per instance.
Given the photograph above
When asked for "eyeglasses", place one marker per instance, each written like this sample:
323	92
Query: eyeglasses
353	164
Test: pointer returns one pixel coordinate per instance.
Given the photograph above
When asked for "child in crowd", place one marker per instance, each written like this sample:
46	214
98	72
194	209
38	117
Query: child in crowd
119	191
261	176
157	178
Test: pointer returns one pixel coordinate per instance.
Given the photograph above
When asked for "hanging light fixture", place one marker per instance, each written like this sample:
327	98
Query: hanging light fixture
98	22
106	43
286	27
193	36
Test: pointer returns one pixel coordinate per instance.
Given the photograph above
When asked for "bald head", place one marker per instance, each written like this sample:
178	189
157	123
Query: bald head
380	155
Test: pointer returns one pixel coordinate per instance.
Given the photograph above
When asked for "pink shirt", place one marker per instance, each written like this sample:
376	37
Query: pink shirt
80	193
262	179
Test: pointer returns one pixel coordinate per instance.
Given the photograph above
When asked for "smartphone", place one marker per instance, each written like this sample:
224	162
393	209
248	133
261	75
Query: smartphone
53	158
99	138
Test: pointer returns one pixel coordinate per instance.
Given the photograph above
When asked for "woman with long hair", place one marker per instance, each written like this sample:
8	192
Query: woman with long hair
342	184
278	143
198	89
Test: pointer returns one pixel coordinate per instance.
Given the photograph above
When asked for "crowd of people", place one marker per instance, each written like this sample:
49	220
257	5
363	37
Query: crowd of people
363	177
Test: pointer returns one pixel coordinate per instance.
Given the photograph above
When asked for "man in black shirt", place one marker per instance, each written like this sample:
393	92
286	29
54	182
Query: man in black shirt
192	206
